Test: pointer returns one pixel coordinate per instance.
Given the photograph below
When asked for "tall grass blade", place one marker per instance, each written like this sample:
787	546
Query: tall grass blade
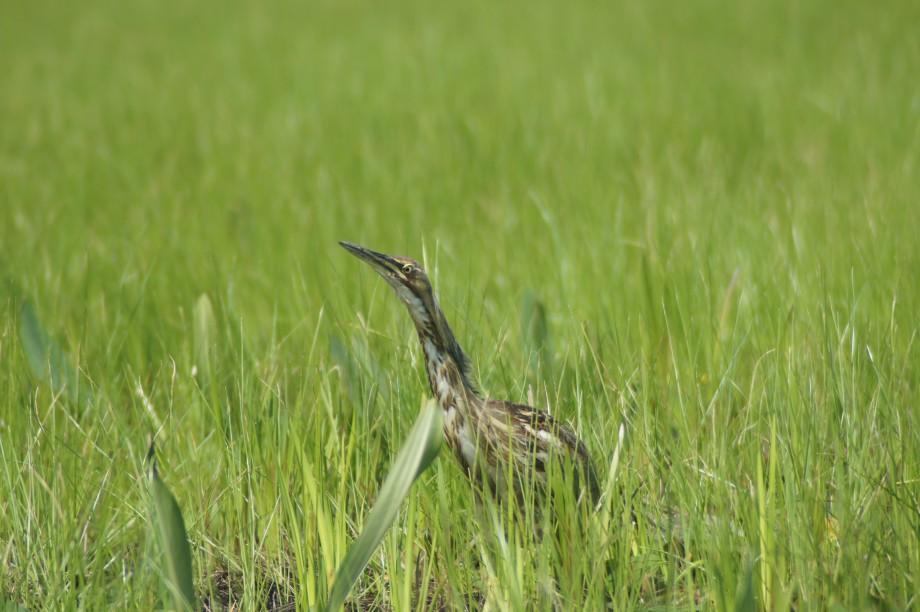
417	453
604	504
172	539
203	337
46	359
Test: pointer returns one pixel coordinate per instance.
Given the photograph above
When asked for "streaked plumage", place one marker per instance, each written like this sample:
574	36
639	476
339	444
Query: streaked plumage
490	438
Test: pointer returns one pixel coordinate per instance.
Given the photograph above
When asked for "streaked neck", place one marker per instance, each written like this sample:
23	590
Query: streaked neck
445	360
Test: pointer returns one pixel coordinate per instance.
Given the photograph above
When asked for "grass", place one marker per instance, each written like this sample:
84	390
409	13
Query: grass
711	208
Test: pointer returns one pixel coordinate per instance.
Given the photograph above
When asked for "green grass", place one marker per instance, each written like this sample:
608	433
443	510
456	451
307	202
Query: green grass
713	205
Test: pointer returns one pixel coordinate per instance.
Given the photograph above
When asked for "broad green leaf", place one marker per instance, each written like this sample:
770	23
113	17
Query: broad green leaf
348	369
172	539
535	331
46	359
8	606
416	454
203	337
745	601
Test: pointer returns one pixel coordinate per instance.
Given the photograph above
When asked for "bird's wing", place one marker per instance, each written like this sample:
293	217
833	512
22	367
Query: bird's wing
535	435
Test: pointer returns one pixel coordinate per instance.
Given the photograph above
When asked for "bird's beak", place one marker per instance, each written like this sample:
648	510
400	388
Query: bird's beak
385	265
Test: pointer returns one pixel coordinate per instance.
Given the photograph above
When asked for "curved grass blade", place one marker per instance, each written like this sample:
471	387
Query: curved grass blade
46	359
172	539
417	453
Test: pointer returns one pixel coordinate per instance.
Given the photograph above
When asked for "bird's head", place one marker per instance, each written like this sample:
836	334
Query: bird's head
406	277
412	286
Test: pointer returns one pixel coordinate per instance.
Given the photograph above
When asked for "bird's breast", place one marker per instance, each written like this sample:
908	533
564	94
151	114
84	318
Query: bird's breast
460	437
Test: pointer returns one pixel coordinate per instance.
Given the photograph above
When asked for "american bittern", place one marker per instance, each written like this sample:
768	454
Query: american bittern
490	438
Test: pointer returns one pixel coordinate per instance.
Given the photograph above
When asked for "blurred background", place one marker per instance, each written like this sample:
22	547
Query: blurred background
185	147
679	189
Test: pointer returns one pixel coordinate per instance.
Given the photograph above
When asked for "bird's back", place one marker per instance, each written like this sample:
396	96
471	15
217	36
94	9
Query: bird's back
527	441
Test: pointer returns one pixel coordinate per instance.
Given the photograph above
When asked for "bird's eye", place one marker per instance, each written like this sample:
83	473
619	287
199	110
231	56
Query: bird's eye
408	269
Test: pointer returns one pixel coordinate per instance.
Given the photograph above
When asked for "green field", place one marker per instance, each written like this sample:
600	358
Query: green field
715	204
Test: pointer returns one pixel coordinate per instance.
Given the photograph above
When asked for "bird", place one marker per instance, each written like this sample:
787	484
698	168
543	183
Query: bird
496	442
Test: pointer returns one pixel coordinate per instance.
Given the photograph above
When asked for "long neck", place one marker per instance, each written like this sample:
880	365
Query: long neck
448	366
